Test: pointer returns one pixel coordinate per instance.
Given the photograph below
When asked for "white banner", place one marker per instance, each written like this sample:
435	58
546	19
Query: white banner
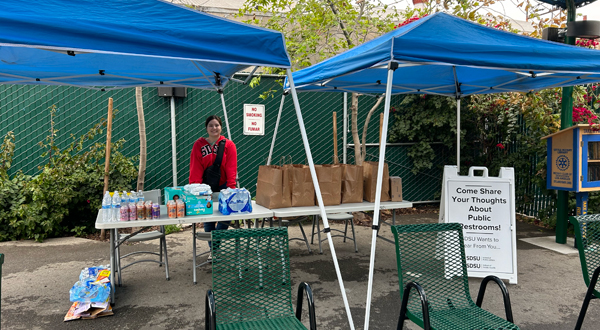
484	206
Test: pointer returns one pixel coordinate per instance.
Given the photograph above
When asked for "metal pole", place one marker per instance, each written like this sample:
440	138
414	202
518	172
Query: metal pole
174	141
345	127
237	178
311	165
566	121
458	134
376	211
276	129
225	115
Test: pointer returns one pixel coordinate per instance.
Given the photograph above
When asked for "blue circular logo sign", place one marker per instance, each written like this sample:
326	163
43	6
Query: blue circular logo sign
562	163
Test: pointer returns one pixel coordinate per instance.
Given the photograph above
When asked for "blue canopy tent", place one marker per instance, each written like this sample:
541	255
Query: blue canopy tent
131	43
445	55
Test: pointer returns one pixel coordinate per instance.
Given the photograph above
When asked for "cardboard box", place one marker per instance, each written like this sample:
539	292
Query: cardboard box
172	192
197	205
396	188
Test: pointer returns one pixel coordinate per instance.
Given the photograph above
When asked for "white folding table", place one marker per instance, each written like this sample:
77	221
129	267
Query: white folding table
257	212
348	207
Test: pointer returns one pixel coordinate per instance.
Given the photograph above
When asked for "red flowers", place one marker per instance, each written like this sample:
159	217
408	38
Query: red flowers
500	145
583	115
408	21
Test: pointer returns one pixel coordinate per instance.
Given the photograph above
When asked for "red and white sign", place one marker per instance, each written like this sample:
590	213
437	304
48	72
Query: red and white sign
254	119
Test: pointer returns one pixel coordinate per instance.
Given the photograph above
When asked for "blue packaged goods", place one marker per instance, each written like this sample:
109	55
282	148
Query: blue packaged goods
197	204
235	201
93	286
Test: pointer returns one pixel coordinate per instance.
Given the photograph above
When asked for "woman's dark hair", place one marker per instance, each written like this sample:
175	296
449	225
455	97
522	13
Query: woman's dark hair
211	118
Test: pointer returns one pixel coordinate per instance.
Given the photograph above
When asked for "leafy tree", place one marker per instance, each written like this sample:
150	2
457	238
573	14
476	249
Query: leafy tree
65	196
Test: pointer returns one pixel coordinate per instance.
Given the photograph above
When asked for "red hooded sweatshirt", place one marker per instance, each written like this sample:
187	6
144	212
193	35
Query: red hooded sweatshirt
202	157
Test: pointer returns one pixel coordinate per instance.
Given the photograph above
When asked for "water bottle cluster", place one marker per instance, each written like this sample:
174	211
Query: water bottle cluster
126	207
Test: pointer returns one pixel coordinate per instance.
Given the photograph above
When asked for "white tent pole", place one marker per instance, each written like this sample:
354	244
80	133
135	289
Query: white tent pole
345	126
458	133
276	129
237	178
225	115
173	141
319	197
384	129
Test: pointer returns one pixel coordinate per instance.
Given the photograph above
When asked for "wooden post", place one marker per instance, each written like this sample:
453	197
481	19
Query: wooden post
380	127
335	146
107	158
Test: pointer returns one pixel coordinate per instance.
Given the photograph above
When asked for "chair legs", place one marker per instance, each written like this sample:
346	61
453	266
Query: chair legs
164	243
316	221
195	256
162	250
588	296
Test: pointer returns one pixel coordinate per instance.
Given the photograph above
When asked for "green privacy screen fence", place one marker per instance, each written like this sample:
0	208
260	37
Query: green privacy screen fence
25	110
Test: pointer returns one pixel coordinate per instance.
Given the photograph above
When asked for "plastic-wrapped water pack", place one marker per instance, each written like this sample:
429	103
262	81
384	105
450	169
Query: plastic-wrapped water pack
198	189
235	201
93	285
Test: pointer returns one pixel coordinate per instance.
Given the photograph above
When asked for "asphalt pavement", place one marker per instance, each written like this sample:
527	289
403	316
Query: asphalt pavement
36	278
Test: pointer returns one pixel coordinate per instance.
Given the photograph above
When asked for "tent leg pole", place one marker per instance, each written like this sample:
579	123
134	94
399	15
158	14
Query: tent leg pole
237	178
376	213
174	141
458	134
225	115
345	127
318	193
276	129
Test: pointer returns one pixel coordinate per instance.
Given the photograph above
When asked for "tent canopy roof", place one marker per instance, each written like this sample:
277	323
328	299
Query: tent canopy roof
446	55
127	43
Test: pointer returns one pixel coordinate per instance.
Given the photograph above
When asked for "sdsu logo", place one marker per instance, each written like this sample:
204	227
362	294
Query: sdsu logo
562	163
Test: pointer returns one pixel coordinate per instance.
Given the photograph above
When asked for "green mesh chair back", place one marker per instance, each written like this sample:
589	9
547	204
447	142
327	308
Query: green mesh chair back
251	278
433	256
587	234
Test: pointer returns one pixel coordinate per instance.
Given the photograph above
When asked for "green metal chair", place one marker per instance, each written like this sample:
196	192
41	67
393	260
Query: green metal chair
587	238
434	286
251	282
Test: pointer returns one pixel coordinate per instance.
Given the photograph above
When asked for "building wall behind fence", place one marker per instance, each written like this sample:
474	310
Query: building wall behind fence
25	110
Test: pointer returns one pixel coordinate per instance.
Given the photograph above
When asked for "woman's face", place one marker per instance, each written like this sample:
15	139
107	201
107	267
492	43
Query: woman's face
213	129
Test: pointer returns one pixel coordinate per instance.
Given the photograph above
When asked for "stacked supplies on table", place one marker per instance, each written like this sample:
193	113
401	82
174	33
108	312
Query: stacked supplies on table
198	199
235	201
90	295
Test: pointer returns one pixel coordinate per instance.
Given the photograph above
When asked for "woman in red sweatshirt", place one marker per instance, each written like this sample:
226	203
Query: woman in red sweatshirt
204	154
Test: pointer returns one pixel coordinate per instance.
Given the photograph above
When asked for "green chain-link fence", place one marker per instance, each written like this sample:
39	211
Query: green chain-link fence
25	110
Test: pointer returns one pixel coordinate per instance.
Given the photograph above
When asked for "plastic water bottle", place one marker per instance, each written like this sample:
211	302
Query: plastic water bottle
106	207
140	196
116	206
132	197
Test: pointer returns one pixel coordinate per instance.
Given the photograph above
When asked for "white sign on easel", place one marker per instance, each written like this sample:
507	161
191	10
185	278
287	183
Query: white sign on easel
254	119
485	207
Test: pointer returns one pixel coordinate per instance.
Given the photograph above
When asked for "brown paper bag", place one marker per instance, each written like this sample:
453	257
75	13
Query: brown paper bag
330	183
370	182
303	190
269	188
352	184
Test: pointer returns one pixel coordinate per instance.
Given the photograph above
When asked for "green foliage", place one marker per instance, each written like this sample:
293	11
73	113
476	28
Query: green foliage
169	229
315	30
424	119
66	195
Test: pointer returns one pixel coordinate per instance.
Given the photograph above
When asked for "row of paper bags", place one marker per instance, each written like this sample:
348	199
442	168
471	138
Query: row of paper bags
291	185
